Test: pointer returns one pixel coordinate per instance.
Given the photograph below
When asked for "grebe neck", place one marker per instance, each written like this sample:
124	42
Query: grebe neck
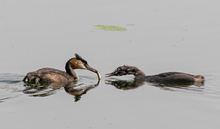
70	70
139	74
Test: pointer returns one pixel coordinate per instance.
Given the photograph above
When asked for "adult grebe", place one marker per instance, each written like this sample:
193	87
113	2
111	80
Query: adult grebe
168	78
46	76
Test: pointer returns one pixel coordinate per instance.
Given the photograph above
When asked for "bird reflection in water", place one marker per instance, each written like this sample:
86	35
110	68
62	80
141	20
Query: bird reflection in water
77	90
125	84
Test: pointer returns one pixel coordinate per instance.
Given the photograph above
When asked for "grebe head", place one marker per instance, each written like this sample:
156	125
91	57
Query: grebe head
80	63
124	70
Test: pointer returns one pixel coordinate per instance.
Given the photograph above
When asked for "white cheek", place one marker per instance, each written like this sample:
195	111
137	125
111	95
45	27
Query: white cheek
82	66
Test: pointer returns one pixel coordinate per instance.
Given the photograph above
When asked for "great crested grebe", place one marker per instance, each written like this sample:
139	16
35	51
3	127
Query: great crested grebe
47	76
168	78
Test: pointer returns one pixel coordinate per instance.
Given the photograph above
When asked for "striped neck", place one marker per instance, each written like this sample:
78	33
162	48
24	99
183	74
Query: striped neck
70	70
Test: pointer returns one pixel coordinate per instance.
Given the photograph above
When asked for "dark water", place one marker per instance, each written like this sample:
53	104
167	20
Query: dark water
160	36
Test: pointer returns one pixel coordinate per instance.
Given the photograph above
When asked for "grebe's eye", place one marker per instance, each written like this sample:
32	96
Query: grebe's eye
84	61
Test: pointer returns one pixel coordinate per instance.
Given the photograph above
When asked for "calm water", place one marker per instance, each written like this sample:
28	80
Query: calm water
161	36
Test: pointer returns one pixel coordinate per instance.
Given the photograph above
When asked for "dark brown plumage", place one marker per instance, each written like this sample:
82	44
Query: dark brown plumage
168	78
47	76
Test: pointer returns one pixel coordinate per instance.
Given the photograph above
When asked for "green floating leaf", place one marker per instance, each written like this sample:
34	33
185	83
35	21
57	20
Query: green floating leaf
110	28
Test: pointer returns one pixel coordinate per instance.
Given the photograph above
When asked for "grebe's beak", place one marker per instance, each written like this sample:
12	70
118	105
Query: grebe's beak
109	74
93	70
84	65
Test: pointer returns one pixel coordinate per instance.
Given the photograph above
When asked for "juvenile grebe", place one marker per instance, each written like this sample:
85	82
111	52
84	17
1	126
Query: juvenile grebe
168	78
47	76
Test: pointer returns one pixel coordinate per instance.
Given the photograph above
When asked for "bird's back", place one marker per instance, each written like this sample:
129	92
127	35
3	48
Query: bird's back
51	75
171	78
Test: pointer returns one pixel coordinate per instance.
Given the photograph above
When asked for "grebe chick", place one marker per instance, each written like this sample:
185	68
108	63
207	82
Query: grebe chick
46	76
168	78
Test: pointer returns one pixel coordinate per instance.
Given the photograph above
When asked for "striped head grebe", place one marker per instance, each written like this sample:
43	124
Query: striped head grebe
47	76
